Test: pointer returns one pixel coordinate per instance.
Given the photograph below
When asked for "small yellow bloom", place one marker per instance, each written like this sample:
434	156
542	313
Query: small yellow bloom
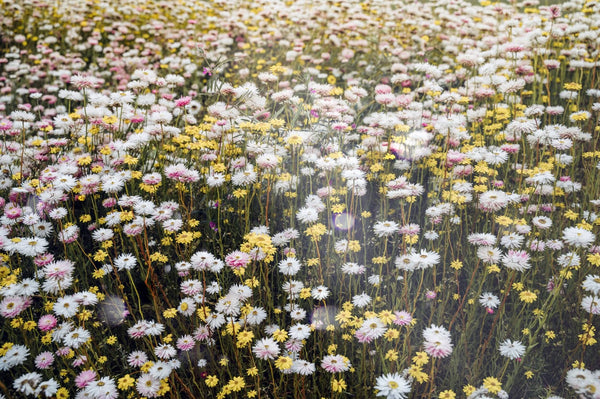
469	389
527	296
456	264
420	358
125	382
280	335
492	384
244	338
338	385
448	394
211	381
62	393
283	362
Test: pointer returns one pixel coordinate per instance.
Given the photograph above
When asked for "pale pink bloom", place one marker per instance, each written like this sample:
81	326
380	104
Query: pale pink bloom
336	363
266	348
47	322
137	359
237	259
44	360
185	343
84	378
402	318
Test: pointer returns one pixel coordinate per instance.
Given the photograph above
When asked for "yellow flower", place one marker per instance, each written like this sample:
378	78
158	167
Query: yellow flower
492	384
379	260
185	237
29	325
456	264
527	296
170	313
280	335
594	259
111	340
518	286
418	374
62	393
100	255
469	389
315	231
391	334
211	381
236	384
252	371
503	220
391	355
338	385
164	388
125	382
572	86
420	358
283	362
448	394
354	246
244	338
529	374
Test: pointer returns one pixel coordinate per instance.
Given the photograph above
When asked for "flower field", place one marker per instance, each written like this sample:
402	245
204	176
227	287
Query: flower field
299	199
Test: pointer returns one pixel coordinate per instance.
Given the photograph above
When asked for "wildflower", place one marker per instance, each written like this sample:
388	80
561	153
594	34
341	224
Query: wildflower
44	360
527	296
392	386
338	385
385	228
104	388
516	260
492	384
84	378
160	370
185	343
303	367
283	362
371	328
403	318
299	331
437	341
591	284
361	300
27	383
212	380
320	292
448	394
266	348
489	300
289	266
512	349
137	359
236	384
591	304
578	237
147	385
336	363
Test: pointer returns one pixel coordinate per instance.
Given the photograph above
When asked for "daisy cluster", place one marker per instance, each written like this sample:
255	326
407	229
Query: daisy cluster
299	199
